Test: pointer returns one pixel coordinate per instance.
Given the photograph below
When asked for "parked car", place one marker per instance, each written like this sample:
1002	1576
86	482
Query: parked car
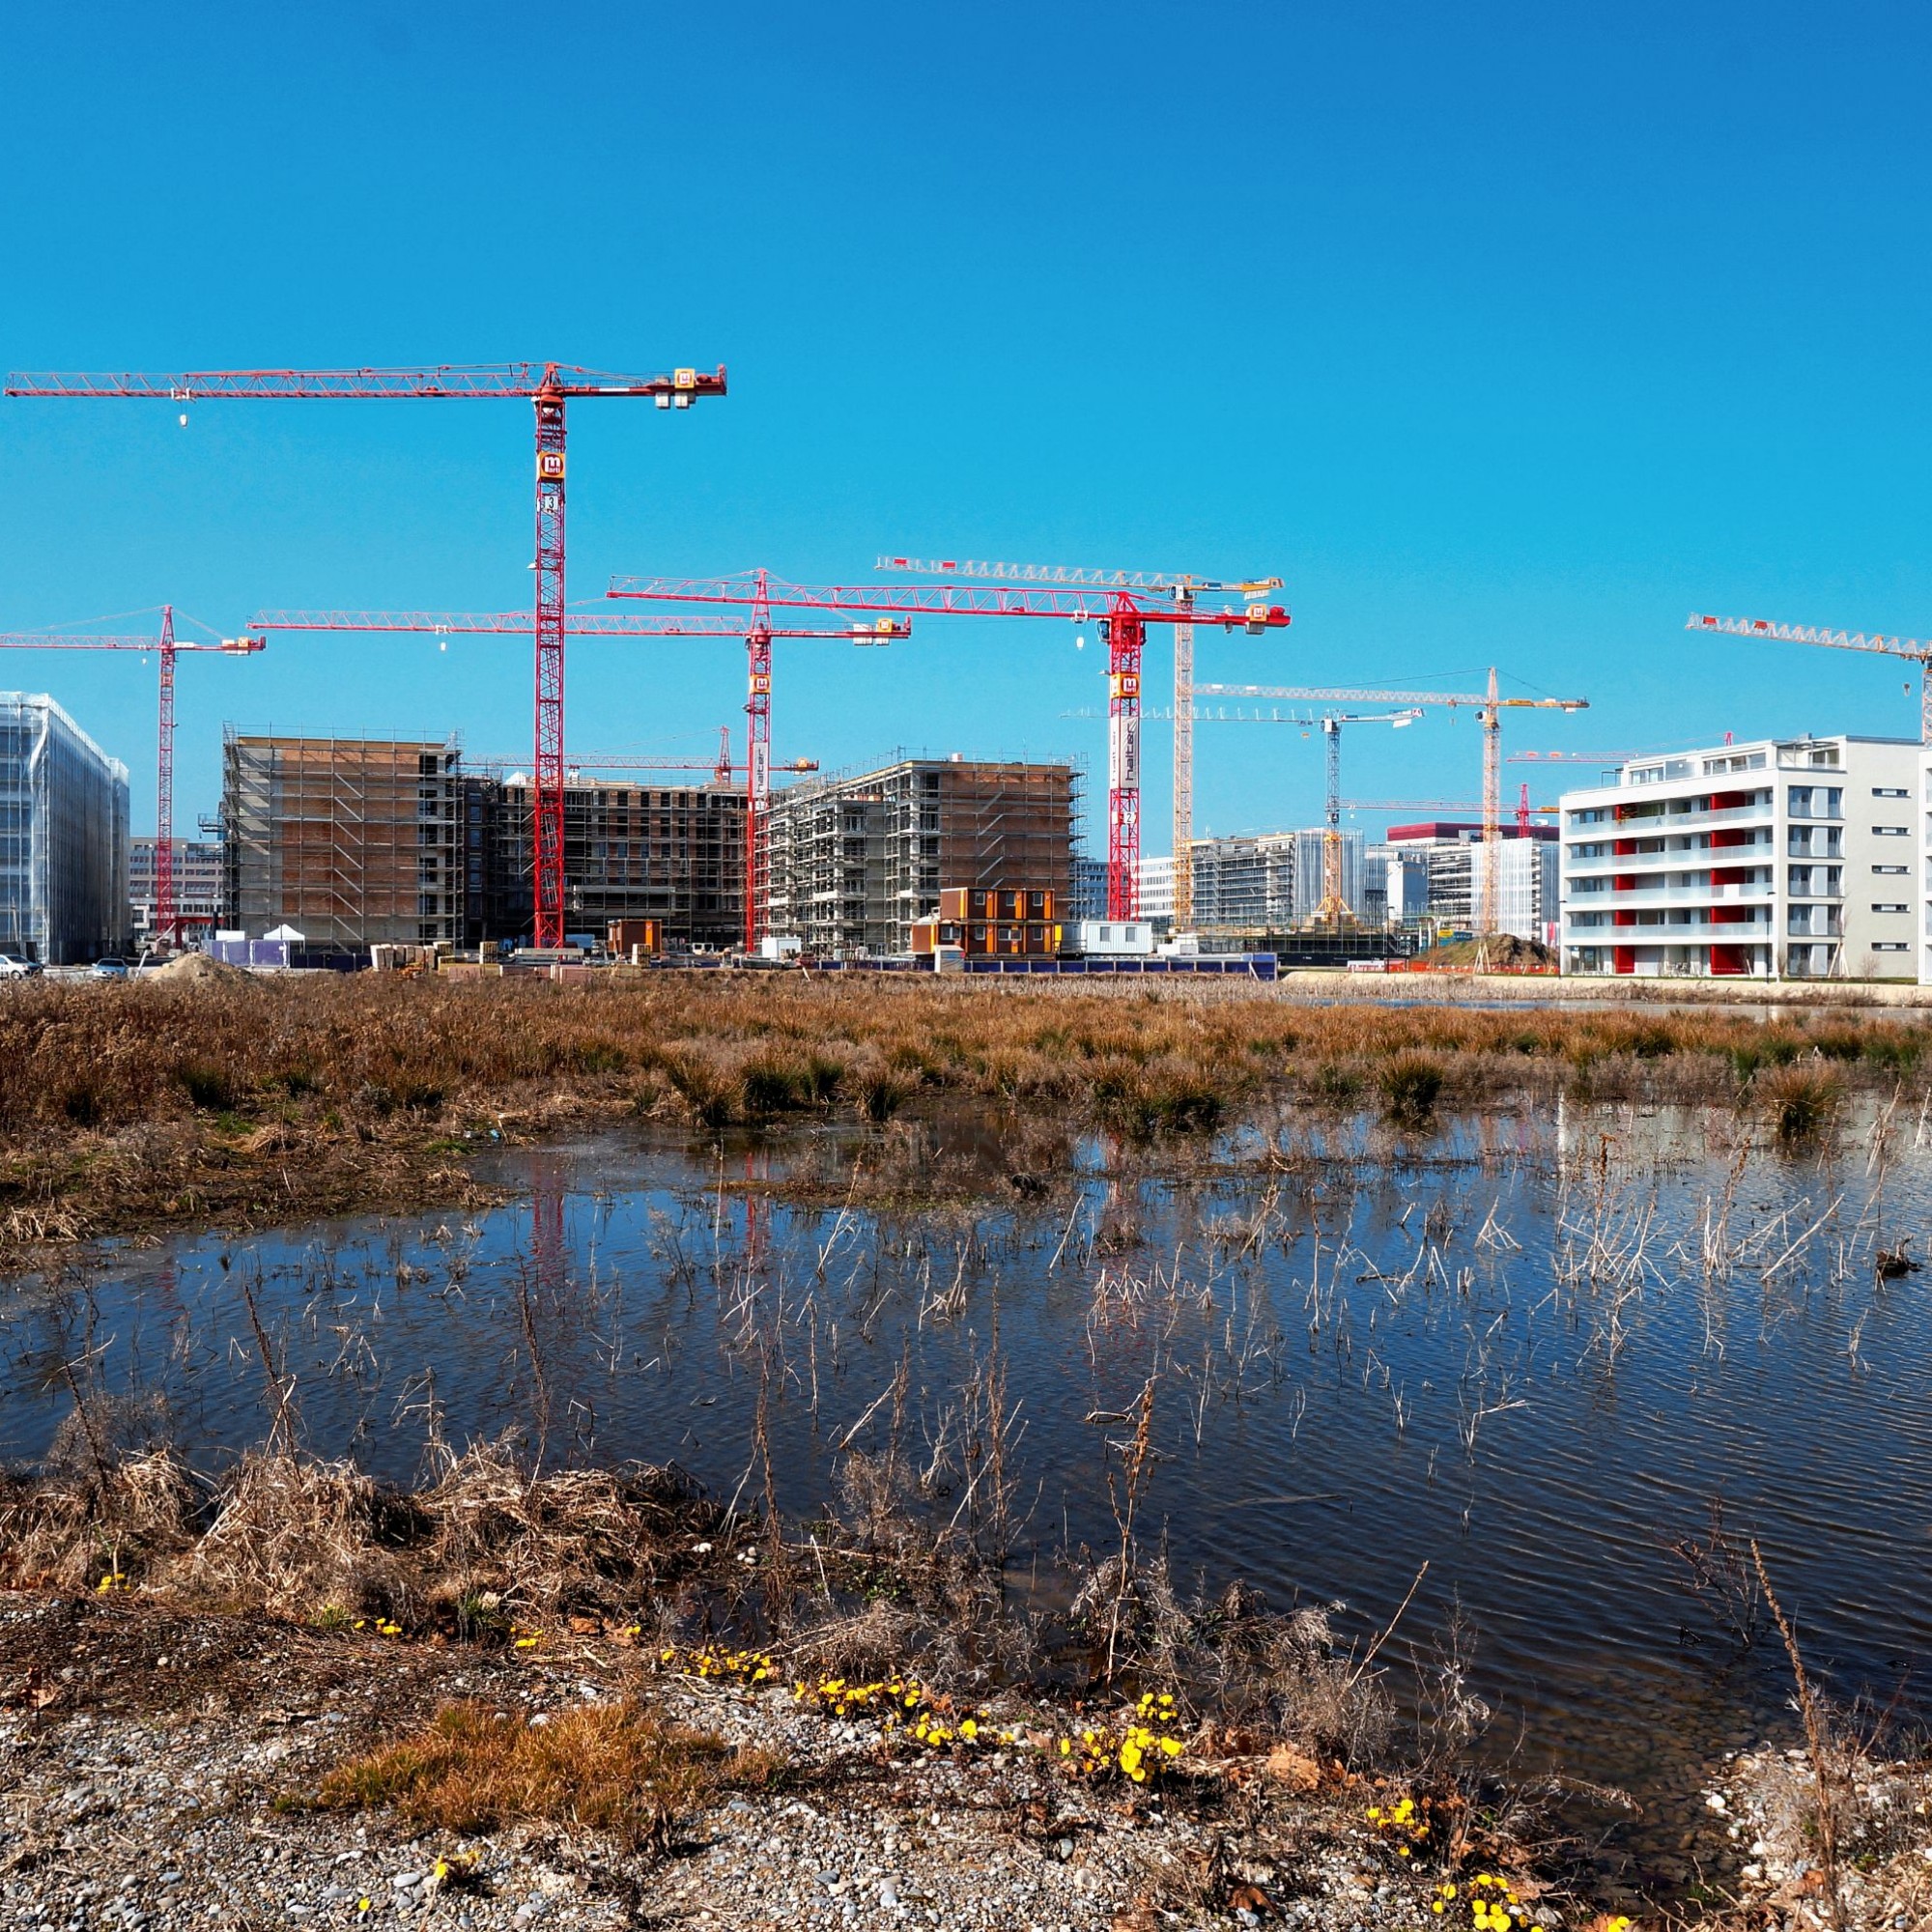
110	969
12	968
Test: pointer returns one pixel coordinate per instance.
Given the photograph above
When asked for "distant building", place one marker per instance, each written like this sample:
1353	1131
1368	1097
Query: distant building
1153	892
197	881
853	861
1269	881
1087	897
350	841
1778	859
1310	849
1244	884
62	838
1450	853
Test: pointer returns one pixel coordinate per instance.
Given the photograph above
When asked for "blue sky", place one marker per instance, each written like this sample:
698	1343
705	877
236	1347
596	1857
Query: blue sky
1502	333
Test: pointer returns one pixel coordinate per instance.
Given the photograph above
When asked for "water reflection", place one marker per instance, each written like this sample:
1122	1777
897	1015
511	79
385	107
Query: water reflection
1521	1358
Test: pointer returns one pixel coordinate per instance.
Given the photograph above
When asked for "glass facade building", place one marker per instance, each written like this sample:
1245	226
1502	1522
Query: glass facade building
62	838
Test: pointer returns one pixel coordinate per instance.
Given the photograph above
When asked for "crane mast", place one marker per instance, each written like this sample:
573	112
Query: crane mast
1183	765
550	386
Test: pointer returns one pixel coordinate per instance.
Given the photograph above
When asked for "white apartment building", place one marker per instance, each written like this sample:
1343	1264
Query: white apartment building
1781	859
1925	866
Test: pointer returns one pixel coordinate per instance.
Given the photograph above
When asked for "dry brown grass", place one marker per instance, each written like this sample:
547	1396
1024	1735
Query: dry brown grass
611	1766
483	1547
145	1103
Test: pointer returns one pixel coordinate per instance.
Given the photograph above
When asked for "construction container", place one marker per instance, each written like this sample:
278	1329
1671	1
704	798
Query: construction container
1115	938
995	903
632	938
948	959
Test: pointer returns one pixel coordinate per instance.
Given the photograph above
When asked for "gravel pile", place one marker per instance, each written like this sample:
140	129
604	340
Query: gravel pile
161	1777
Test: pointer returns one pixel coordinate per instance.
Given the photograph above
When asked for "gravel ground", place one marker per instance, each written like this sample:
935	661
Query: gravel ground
1767	1802
143	1755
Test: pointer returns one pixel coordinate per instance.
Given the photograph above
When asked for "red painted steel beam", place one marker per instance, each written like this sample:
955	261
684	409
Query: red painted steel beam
576	624
958	600
445	383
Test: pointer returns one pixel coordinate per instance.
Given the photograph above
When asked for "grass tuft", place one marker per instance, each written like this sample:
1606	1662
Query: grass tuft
1410	1084
611	1767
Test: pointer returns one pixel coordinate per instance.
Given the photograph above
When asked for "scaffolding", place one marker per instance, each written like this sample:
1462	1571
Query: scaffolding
674	854
352	841
854	860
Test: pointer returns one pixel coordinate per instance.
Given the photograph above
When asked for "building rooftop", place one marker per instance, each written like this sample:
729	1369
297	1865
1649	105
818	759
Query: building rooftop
1461	828
60	711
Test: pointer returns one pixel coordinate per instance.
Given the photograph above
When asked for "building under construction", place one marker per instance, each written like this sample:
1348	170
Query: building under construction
350	841
674	854
851	862
360	842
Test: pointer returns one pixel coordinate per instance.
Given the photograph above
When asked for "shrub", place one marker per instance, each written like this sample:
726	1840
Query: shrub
880	1092
710	1095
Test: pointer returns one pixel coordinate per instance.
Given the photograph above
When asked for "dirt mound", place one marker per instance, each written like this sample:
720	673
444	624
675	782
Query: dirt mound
1505	952
194	966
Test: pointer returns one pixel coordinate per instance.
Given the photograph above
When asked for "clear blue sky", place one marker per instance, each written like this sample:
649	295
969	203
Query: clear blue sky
1503	333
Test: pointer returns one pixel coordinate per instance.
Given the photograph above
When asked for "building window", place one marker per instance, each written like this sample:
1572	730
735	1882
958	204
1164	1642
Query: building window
1889	946
1891	791
1891	830
1876	907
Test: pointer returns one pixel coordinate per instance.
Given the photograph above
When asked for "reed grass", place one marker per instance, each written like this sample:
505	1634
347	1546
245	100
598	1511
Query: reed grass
315	1540
242	1101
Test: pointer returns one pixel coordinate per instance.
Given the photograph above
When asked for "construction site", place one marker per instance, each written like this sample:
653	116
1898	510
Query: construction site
343	845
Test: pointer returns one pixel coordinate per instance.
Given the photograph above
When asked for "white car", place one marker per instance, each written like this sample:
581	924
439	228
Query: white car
12	968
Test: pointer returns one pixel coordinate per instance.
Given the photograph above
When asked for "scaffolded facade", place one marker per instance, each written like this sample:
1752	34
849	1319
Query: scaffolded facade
62	838
352	841
675	855
854	861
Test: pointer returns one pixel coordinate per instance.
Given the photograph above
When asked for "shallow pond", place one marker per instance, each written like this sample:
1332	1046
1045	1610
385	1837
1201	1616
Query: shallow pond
1529	1354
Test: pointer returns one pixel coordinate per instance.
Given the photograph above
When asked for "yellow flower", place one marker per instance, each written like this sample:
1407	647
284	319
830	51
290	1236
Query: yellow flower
968	1729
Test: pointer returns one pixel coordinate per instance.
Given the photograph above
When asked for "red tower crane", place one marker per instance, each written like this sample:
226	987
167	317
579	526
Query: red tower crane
759	635
550	386
167	922
757	638
1119	605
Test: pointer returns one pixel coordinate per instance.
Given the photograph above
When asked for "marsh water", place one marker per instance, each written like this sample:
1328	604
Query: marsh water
1521	1358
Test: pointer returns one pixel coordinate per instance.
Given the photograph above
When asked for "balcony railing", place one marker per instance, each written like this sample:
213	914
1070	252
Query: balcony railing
1692	932
1635	897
